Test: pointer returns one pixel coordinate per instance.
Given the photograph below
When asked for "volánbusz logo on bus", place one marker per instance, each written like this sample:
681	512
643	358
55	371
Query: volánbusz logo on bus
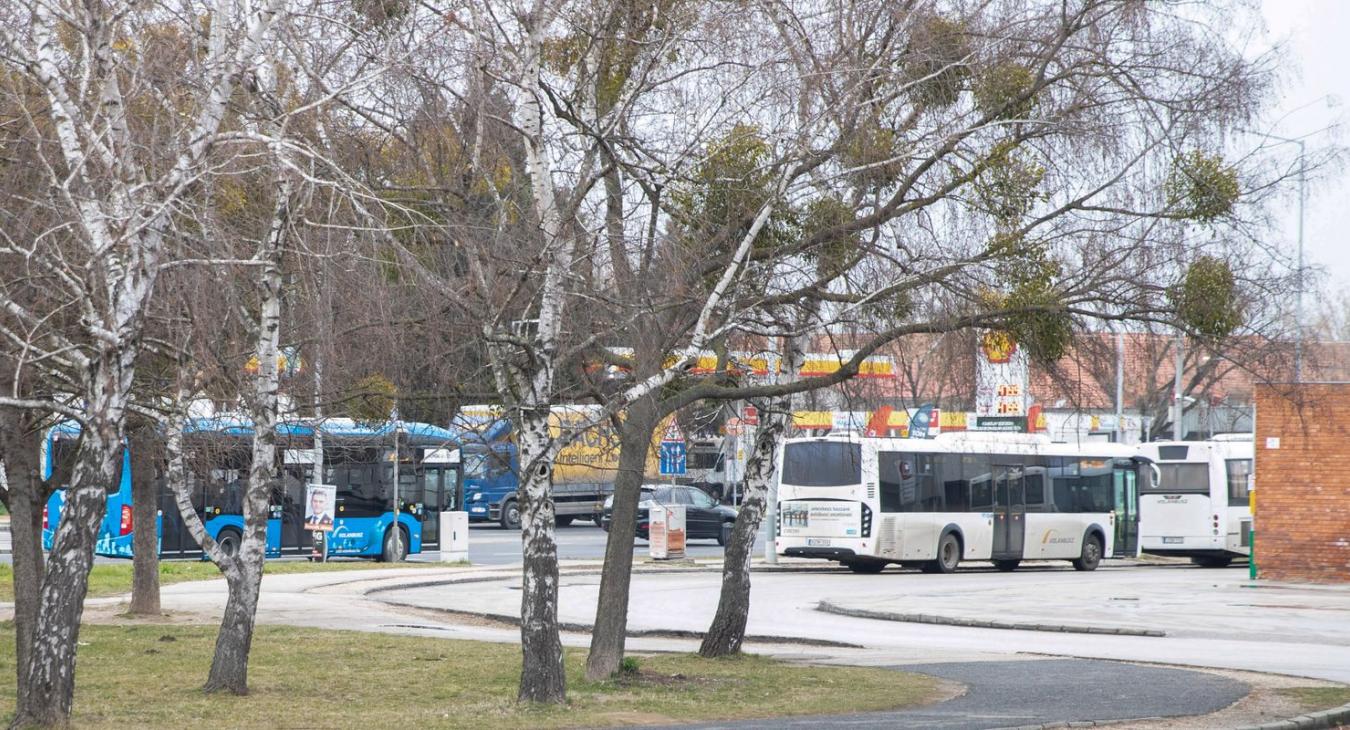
824	518
1049	538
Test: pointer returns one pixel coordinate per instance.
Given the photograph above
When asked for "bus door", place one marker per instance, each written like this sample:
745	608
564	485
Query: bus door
1125	482
1010	511
433	503
291	502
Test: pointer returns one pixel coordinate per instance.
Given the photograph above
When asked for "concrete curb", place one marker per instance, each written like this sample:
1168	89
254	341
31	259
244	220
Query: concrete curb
921	618
1087	723
580	572
581	628
1335	717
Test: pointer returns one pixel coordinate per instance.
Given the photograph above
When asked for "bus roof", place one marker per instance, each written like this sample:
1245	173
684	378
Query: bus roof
342	429
418	433
986	442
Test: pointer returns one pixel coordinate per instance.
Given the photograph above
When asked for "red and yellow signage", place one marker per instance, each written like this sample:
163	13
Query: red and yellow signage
874	366
998	346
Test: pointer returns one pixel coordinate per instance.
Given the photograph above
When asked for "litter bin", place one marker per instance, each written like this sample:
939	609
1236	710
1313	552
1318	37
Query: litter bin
665	531
454	537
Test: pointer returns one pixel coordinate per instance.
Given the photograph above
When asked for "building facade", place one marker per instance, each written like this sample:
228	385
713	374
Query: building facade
1302	504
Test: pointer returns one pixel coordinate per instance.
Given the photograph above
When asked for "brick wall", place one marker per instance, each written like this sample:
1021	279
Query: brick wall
1303	487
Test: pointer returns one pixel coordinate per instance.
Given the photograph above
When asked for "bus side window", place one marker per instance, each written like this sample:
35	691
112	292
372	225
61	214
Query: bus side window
955	490
888	474
1239	482
976	470
1035	480
930	497
903	487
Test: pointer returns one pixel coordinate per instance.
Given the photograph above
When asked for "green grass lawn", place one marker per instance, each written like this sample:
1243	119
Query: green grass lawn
108	579
149	676
1318	698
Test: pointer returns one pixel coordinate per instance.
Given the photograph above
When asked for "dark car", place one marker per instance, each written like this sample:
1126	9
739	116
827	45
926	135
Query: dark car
704	518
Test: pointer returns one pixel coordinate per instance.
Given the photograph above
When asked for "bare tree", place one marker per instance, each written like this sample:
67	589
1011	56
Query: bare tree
114	209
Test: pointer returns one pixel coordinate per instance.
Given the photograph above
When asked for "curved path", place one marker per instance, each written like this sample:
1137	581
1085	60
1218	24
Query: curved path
1005	694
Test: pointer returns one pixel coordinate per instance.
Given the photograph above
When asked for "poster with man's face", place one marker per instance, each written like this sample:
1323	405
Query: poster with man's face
319	500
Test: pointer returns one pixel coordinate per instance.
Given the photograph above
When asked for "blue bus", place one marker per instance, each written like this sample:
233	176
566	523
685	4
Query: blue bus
358	459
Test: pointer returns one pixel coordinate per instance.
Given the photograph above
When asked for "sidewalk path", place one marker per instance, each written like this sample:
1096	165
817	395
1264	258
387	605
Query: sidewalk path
1010	694
1209	618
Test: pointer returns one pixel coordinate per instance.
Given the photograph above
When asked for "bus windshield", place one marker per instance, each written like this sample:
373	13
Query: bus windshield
1182	478
822	464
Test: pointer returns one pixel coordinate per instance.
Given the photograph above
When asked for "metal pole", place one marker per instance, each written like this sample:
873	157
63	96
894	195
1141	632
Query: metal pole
1177	409
1298	305
1120	387
398	534
316	468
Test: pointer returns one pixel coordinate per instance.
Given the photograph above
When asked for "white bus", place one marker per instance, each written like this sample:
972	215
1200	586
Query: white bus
931	503
1199	507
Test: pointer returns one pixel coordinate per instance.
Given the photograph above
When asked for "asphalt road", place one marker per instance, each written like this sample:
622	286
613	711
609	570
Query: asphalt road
1013	693
492	545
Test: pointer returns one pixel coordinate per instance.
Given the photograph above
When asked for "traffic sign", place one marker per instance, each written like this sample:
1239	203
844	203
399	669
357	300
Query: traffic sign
673	434
673	458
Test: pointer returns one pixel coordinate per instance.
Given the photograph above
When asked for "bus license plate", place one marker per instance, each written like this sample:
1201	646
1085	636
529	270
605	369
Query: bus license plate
1173	540
817	542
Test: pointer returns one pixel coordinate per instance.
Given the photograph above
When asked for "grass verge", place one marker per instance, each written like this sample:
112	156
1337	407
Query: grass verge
1314	699
149	676
110	579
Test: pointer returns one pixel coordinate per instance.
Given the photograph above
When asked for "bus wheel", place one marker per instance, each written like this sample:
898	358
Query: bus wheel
511	515
562	520
395	546
1007	566
1212	561
948	554
228	541
866	567
1091	556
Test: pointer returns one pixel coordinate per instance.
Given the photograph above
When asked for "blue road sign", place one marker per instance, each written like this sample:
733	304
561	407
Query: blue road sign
673	458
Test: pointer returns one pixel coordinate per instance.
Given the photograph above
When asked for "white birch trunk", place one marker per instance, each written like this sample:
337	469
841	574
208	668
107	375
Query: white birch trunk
243	573
542	678
51	667
726	634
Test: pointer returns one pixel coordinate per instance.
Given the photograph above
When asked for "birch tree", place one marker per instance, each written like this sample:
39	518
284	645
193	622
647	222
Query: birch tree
113	208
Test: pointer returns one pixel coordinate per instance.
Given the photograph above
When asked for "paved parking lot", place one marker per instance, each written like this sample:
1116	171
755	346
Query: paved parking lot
1211	618
492	545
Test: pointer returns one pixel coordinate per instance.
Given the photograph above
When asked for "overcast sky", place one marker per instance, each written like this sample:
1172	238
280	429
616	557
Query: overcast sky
1316	34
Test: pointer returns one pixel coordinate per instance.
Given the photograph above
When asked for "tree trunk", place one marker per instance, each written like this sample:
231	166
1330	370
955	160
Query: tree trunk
51	667
229	665
243	575
20	441
727	632
145	461
611	616
541	677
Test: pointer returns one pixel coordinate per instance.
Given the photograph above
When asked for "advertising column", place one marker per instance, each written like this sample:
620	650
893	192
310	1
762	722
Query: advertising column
1000	383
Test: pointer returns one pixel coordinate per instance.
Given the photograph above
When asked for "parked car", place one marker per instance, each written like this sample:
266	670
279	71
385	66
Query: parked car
704	518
